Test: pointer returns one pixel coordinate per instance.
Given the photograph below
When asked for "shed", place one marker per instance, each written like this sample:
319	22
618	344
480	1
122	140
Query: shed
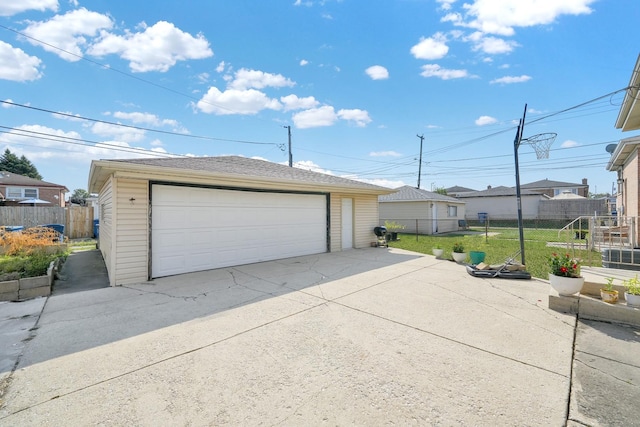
161	217
422	211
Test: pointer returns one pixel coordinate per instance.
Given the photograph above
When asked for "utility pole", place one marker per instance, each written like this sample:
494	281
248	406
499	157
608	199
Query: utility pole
420	163
290	154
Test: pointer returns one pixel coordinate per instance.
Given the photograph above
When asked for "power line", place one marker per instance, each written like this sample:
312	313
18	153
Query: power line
165	132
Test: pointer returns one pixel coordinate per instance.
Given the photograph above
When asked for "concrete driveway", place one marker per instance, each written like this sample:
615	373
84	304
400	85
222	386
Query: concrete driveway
364	337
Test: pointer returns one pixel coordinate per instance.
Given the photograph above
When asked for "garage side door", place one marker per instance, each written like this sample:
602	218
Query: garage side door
194	229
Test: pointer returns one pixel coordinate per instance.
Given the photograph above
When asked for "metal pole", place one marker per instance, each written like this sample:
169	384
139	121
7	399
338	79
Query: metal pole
290	154
516	145
420	164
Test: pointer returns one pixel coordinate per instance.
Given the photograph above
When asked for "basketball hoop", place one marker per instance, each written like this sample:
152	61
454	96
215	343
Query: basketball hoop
541	143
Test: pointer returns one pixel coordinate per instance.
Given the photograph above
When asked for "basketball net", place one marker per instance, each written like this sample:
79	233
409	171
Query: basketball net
541	143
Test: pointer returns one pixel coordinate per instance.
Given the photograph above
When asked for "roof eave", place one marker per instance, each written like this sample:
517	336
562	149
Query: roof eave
102	169
629	115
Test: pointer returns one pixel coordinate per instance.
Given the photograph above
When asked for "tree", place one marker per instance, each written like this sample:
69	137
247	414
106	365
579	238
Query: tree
79	196
21	165
441	190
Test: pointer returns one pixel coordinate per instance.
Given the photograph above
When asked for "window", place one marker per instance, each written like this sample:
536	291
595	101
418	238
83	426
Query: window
452	211
22	193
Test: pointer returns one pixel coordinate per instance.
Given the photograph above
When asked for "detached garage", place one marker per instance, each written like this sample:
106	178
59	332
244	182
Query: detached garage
161	217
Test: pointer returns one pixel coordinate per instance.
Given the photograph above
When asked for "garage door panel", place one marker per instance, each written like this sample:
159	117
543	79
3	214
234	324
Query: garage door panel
197	229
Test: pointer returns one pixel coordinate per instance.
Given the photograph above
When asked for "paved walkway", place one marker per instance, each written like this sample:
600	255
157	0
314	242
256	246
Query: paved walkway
366	337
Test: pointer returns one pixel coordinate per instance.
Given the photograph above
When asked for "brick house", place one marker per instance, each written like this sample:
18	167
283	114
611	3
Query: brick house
15	188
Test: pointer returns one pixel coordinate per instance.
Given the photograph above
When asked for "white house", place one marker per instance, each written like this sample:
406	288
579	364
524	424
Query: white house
422	211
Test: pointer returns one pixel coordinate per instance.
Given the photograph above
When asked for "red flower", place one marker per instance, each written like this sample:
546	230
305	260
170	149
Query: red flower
563	269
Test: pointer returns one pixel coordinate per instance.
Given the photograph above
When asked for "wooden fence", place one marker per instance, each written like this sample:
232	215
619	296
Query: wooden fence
77	220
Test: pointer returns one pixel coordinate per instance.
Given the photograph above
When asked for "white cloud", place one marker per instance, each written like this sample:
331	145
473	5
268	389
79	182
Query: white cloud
303	62
315	117
492	45
569	144
434	70
377	72
311	166
430	48
382	182
233	101
157	48
9	8
485	120
58	146
292	102
385	154
445	4
8	105
220	67
511	79
149	119
68	32
17	66
121	133
501	16
358	117
248	79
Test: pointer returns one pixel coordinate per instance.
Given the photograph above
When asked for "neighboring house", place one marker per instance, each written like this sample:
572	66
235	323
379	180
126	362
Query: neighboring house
501	203
456	189
161	217
555	188
16	188
624	159
421	211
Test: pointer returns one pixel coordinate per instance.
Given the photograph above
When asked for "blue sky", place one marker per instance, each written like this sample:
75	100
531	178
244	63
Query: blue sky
357	82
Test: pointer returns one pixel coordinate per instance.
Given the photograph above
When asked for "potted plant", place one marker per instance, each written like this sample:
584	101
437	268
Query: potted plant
608	294
458	253
438	251
632	292
477	256
393	228
565	275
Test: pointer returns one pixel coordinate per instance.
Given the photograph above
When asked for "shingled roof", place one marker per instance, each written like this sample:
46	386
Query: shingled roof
547	183
499	191
236	166
412	194
14	179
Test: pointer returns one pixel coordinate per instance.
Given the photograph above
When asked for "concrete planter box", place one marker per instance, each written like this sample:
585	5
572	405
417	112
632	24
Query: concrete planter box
29	287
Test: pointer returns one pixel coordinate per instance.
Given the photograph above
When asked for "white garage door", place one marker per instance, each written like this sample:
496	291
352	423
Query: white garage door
196	229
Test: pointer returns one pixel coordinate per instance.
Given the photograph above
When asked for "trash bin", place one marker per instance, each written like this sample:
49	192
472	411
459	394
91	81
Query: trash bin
96	228
482	217
59	228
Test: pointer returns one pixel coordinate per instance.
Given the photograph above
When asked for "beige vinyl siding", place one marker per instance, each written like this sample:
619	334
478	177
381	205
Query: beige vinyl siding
335	219
132	236
365	209
365	213
420	214
105	201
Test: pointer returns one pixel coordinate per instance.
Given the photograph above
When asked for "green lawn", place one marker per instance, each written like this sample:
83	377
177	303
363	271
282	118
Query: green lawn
504	244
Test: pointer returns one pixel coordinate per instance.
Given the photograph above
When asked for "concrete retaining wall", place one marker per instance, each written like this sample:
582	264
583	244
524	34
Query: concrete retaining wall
29	287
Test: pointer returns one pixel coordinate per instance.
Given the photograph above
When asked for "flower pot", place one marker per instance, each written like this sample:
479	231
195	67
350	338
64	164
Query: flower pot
476	257
609	296
632	299
566	285
438	252
459	257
